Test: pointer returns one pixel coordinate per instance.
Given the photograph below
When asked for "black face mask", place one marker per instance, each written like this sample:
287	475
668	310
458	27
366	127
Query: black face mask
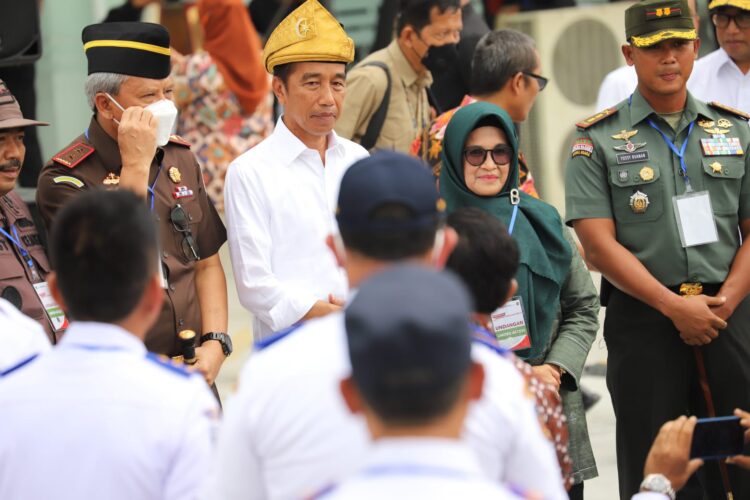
441	58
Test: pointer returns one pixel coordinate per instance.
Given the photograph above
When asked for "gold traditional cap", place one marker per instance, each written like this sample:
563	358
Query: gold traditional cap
740	4
309	33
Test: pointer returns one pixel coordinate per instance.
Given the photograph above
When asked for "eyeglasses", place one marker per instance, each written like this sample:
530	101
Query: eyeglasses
539	78
180	223
476	156
741	19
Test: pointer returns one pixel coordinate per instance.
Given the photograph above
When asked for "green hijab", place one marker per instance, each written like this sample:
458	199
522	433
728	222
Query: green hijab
545	254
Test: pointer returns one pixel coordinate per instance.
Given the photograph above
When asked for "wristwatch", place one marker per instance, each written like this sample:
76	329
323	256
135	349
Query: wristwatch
222	338
658	483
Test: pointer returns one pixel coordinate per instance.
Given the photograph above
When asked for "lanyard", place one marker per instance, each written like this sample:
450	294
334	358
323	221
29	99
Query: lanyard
24	253
679	153
151	193
515	200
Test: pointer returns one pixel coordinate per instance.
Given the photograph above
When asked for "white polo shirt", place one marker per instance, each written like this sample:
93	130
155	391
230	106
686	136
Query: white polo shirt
413	468
287	433
716	77
280	201
21	337
617	86
98	417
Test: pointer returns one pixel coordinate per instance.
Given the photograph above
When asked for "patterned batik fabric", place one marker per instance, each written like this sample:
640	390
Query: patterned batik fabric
212	120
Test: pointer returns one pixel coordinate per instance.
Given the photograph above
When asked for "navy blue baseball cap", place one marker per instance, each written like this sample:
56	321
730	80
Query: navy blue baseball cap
408	330
385	178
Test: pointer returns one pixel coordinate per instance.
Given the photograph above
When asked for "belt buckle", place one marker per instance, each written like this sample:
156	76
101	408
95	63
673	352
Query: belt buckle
691	289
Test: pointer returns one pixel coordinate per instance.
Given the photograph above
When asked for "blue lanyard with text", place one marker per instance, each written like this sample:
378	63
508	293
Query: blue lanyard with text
515	200
679	153
24	253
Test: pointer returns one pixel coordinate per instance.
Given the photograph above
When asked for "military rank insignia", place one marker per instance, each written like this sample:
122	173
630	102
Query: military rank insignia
112	179
582	147
182	192
639	202
175	175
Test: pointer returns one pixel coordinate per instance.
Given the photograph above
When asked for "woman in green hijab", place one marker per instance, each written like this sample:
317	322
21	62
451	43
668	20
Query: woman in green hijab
557	299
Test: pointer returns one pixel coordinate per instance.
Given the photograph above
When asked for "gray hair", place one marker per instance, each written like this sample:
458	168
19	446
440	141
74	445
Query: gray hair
498	56
103	82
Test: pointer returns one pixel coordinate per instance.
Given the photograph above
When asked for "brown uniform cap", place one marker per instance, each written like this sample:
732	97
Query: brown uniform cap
10	111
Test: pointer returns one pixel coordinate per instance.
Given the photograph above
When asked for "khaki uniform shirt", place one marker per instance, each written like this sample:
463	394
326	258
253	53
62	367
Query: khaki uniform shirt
601	180
16	278
408	111
100	168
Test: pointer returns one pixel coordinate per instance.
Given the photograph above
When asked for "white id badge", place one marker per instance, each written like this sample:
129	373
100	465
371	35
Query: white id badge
54	312
695	218
509	325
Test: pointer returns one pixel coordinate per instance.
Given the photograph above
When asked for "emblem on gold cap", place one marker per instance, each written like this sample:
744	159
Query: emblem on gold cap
639	202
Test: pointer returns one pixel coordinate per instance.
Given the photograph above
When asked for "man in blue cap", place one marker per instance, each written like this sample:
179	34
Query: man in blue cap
288	433
413	380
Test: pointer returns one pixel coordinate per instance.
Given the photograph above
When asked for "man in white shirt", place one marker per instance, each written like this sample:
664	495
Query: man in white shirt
281	194
287	433
724	74
98	416
413	379
21	338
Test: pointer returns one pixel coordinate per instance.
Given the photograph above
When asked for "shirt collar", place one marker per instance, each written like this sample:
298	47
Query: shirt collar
404	70
640	109
108	149
291	146
446	454
97	336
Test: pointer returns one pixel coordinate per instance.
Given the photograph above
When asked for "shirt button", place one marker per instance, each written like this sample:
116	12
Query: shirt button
181	322
171	287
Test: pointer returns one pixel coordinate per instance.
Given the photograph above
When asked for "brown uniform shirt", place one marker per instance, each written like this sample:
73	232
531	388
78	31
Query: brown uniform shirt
93	161
16	278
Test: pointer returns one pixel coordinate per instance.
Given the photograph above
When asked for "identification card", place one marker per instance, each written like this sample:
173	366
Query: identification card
509	325
54	312
695	218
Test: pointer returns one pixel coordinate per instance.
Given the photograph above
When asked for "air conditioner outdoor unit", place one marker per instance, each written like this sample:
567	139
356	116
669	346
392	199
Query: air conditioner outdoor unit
578	46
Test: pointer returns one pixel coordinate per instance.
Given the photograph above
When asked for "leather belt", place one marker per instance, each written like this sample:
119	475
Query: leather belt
688	289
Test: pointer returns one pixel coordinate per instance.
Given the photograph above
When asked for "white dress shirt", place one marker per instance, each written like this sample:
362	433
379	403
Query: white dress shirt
414	468
616	86
20	337
716	77
288	433
280	201
98	418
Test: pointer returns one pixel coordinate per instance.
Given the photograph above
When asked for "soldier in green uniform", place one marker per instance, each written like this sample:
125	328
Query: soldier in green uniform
658	193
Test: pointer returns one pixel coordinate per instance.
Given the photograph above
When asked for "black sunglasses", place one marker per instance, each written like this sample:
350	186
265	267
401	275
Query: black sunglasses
741	19
180	223
475	156
539	78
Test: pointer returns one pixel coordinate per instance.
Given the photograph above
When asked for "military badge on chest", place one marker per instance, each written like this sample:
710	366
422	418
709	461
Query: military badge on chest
182	192
630	153
111	180
719	144
639	202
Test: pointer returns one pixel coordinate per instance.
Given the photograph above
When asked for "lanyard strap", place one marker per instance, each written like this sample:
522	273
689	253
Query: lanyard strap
515	200
16	240
680	153
151	192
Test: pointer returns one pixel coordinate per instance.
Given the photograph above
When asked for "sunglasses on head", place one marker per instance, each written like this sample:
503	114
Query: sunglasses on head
476	156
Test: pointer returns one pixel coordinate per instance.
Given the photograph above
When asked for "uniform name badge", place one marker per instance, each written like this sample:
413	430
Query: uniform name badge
509	325
695	218
54	312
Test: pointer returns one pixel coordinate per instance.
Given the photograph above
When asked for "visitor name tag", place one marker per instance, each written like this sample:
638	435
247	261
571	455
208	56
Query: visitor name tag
695	219
509	325
54	312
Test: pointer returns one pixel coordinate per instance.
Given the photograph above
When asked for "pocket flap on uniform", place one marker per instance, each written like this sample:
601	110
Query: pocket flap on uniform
633	175
726	168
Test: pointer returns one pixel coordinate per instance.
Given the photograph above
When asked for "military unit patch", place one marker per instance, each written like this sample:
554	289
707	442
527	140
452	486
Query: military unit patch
582	147
73	155
66	179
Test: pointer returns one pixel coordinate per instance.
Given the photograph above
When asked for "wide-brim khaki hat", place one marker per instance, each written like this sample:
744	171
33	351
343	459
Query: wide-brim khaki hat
10	111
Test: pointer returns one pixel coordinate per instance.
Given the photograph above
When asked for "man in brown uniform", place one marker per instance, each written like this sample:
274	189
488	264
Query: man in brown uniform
128	145
23	264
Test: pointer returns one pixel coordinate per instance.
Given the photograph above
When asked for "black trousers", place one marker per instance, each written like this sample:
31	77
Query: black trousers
652	377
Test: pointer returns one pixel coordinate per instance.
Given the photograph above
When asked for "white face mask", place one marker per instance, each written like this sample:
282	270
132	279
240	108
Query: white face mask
165	113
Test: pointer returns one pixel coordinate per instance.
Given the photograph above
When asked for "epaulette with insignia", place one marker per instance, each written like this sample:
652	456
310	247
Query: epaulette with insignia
73	155
170	364
734	111
591	120
19	365
178	140
281	334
